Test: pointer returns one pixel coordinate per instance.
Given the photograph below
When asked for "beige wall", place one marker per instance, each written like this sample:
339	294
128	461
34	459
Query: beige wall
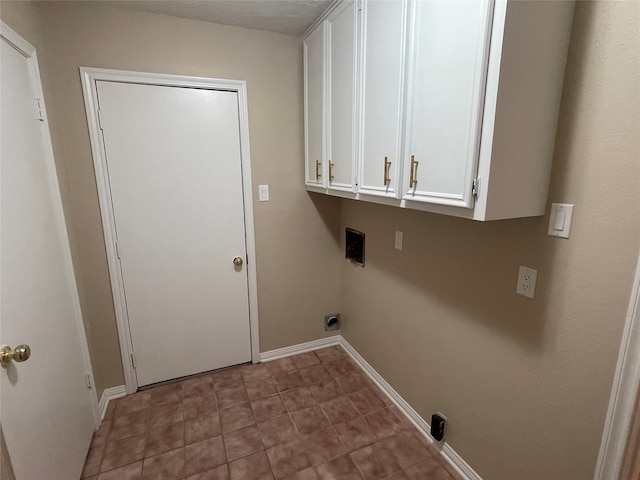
524	383
296	236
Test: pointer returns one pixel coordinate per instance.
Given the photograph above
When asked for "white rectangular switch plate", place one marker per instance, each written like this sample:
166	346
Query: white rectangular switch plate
398	241
263	193
560	220
526	281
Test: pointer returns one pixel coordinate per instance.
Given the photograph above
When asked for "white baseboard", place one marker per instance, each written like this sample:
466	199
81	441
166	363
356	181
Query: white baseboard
108	395
448	453
300	348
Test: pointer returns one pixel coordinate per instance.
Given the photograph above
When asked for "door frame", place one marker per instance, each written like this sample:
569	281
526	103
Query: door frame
89	77
29	52
624	392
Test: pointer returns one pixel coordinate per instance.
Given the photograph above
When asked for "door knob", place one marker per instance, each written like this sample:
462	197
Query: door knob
238	261
19	354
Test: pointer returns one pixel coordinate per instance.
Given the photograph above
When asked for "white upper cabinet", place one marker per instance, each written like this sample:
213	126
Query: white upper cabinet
382	80
448	106
448	62
314	109
341	28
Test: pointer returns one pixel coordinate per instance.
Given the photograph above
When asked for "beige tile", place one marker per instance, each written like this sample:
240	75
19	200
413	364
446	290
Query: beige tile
255	467
277	430
128	472
331	353
339	410
303	360
201	428
204	455
341	468
167	466
282	365
406	449
254	373
367	401
196	406
315	374
218	473
92	462
123	451
228	397
268	407
129	424
352	382
166	394
356	433
288	458
198	386
227	379
288	381
375	461
237	417
132	403
298	398
242	442
163	439
325	391
323	445
309	420
166	415
384	423
260	388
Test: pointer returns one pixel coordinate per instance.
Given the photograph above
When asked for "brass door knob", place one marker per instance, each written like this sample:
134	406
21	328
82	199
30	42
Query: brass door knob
238	261
19	354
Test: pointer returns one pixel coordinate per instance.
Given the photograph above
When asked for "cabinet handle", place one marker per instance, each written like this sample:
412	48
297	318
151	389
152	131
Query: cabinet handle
387	164
330	171
318	175
414	170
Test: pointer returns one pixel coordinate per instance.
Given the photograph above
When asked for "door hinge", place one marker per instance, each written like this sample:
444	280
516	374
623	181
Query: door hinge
100	120
117	250
133	360
475	189
40	110
87	378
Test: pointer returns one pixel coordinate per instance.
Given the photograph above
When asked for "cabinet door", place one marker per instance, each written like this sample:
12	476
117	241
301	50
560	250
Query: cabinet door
314	108
448	63
341	32
383	52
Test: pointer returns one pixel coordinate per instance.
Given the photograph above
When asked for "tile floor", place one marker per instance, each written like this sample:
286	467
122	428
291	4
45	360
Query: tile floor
314	416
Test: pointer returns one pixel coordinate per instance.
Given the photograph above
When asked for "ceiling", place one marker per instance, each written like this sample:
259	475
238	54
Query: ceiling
291	17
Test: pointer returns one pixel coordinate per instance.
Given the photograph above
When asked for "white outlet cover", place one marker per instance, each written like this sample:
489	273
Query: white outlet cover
527	278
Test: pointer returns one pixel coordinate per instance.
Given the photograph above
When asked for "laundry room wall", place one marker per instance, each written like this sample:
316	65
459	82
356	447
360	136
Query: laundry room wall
297	235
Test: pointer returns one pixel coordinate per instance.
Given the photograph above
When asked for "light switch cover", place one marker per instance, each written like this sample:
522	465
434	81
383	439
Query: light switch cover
560	220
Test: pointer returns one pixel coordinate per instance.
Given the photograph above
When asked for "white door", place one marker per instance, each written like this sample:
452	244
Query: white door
174	166
445	99
47	413
341	33
314	110
383	52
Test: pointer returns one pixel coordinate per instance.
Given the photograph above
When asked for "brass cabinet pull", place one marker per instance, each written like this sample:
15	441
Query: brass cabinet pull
387	164
414	170
318	175
331	171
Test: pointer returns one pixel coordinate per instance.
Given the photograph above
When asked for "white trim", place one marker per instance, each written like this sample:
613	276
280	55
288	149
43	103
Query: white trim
301	348
26	49
624	392
109	394
89	77
448	453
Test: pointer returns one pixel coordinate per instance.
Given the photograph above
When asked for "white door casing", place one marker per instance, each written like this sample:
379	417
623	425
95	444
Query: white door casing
46	398
153	266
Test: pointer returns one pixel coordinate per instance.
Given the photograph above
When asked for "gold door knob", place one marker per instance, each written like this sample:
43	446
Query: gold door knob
19	354
238	261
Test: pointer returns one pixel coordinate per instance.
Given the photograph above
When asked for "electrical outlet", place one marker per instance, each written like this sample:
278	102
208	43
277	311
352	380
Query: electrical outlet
526	281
